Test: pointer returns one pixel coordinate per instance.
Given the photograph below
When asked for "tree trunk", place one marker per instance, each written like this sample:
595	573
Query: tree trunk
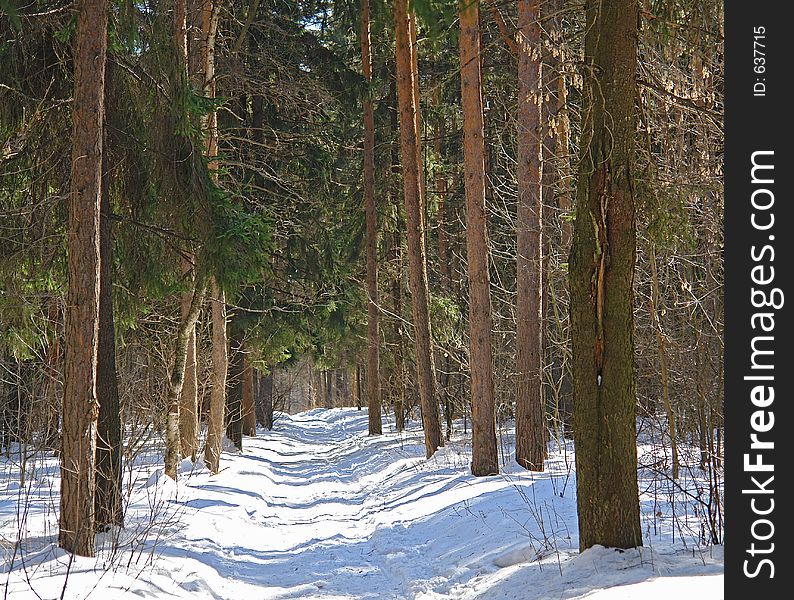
205	21
562	121
373	334
198	61
484	459
602	275
444	267
80	410
414	209
188	400
396	258
249	411
52	438
215	418
177	379
234	398
357	377
530	421
108	451
266	399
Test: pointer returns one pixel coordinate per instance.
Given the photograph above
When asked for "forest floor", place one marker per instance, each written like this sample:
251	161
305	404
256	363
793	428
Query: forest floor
317	509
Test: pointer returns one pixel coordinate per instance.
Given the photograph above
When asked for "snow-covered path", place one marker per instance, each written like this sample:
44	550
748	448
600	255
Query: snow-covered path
317	509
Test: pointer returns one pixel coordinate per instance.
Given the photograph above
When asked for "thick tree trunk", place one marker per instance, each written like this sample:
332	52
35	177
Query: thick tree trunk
80	410
602	275
373	334
484	459
108	506
530	421
215	418
414	209
249	411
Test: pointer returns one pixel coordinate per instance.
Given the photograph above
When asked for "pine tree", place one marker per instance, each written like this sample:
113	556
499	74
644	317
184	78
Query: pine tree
108	505
373	333
80	409
602	277
407	95
530	422
485	459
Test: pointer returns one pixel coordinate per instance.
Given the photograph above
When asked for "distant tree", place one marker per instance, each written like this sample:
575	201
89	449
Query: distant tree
234	386
265	399
248	405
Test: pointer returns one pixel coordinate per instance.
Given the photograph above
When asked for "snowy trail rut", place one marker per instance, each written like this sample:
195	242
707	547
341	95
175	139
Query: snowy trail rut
319	509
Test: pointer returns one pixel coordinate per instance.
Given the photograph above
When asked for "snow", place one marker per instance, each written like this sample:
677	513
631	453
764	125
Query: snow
317	509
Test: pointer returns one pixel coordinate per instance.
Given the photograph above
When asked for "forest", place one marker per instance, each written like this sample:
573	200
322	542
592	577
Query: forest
361	298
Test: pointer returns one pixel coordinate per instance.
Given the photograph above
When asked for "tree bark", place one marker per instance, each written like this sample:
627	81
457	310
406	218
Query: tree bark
108	506
373	333
215	418
407	78
602	275
485	459
530	421
80	409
